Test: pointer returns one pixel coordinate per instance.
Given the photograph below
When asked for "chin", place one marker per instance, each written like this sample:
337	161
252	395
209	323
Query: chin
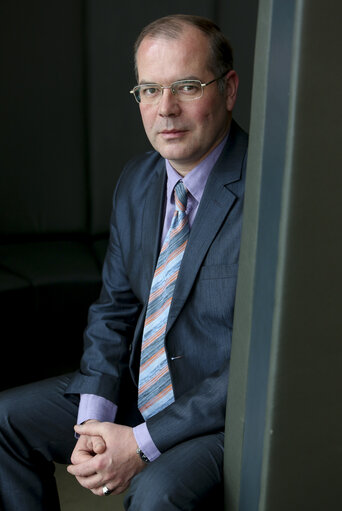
172	153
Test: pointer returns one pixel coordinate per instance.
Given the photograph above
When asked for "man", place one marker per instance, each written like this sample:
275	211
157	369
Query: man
151	391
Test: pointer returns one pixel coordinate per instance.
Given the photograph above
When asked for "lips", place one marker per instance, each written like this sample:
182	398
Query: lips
174	133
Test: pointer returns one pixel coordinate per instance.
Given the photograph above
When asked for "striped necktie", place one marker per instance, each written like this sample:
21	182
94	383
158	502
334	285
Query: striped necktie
155	386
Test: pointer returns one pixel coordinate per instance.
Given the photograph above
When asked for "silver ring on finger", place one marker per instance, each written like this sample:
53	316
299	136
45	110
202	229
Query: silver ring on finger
106	491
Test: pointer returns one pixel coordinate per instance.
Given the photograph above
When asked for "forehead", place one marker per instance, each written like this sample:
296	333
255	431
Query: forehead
173	58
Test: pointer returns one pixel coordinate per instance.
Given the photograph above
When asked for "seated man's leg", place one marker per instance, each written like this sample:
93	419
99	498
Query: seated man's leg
181	478
36	428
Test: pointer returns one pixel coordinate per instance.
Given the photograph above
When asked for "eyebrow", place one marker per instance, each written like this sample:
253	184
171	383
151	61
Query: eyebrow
145	82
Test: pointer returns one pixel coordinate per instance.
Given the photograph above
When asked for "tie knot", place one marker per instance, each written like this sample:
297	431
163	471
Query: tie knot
181	196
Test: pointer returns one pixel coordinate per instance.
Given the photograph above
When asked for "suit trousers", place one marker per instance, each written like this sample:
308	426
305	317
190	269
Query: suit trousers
36	429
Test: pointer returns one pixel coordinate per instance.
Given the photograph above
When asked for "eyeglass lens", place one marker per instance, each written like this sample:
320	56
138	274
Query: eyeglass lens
186	90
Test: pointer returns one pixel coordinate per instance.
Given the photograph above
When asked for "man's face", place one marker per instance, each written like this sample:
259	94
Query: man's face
183	132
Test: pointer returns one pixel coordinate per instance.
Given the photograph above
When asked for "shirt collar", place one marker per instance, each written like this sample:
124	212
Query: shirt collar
196	179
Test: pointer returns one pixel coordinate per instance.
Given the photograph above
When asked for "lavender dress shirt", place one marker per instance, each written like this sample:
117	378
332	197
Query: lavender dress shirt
99	408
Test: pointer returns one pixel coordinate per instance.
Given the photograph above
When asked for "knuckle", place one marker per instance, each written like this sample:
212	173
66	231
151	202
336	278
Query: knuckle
102	463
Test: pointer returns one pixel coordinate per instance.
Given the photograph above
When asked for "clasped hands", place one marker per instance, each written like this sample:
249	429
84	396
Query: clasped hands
105	455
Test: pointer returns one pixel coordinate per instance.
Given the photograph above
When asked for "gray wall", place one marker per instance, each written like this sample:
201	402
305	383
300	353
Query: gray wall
284	418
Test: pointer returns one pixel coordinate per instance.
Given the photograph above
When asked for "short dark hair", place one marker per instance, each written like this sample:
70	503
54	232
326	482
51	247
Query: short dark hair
221	53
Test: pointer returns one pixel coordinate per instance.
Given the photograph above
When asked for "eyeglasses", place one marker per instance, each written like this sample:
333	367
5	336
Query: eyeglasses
185	90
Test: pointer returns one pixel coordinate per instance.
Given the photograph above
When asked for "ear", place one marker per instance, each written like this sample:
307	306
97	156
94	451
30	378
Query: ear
232	84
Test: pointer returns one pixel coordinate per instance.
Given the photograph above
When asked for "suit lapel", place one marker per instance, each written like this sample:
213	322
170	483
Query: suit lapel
216	202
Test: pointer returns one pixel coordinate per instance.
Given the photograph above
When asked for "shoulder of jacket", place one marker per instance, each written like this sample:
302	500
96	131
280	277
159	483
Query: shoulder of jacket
145	160
138	173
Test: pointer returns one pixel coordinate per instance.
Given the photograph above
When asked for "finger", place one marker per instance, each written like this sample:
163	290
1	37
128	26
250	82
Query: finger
81	457
99	445
113	490
99	491
94	482
85	469
89	428
94	444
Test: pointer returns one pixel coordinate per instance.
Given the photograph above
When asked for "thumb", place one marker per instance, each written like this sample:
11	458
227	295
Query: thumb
99	445
88	428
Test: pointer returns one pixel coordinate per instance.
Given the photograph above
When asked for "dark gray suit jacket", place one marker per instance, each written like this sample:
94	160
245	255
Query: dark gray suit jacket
199	328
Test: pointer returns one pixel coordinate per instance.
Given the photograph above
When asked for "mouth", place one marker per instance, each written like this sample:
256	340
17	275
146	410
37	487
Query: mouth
173	134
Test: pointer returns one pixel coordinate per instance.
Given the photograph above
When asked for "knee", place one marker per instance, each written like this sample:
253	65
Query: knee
14	406
153	490
9	407
6	406
7	419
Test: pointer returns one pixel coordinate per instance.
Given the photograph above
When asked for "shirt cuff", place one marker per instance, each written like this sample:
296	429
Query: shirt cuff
95	407
145	442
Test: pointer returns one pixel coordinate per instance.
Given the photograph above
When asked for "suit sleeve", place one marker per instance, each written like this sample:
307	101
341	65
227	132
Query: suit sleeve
111	324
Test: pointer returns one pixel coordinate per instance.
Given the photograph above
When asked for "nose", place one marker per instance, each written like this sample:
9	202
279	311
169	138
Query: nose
169	104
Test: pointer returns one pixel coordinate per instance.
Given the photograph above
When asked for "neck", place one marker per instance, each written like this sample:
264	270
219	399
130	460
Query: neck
183	168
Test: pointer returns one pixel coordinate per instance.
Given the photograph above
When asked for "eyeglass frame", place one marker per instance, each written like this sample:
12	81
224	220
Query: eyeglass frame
172	89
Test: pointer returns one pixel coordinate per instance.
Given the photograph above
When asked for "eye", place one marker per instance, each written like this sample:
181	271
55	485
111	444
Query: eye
188	88
149	91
